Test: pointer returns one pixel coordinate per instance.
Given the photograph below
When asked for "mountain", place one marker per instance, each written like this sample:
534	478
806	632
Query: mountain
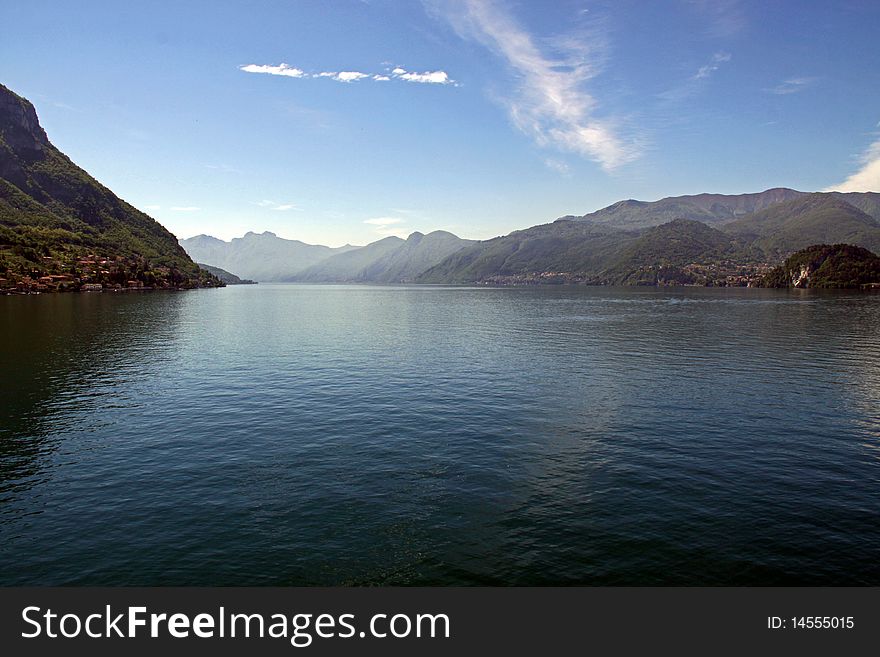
225	276
712	209
816	218
55	219
418	253
561	247
389	260
576	251
827	266
706	208
867	202
259	256
663	253
701	239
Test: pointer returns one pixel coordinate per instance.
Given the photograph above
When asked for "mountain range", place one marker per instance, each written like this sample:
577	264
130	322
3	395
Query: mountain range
259	256
56	220
692	239
712	209
697	239
61	229
269	258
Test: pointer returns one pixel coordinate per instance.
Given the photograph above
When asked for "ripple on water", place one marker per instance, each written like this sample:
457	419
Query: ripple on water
444	435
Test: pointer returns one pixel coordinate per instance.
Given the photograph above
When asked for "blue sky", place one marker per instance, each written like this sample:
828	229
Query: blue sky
224	117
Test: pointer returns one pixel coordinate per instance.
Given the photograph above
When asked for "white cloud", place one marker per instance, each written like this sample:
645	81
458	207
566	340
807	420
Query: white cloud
383	221
791	86
427	77
551	104
714	64
185	208
152	208
272	205
866	179
349	76
281	69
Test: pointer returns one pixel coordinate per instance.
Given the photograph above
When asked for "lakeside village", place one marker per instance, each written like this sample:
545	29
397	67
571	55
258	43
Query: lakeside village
720	274
94	273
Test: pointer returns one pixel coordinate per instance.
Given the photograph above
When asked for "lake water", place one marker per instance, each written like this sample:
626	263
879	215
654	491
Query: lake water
282	434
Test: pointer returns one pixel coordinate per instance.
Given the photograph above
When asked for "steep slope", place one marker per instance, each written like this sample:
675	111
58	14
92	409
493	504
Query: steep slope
259	256
53	214
813	219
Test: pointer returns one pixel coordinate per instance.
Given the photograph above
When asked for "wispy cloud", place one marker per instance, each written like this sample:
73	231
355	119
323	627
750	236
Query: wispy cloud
383	221
281	207
152	208
65	106
550	104
714	64
398	73
791	86
867	178
723	18
557	165
225	168
388	226
185	208
695	82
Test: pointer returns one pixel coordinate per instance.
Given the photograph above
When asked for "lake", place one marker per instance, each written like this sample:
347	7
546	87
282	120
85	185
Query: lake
323	435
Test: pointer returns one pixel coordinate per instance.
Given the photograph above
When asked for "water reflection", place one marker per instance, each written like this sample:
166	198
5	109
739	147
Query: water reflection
363	435
66	361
